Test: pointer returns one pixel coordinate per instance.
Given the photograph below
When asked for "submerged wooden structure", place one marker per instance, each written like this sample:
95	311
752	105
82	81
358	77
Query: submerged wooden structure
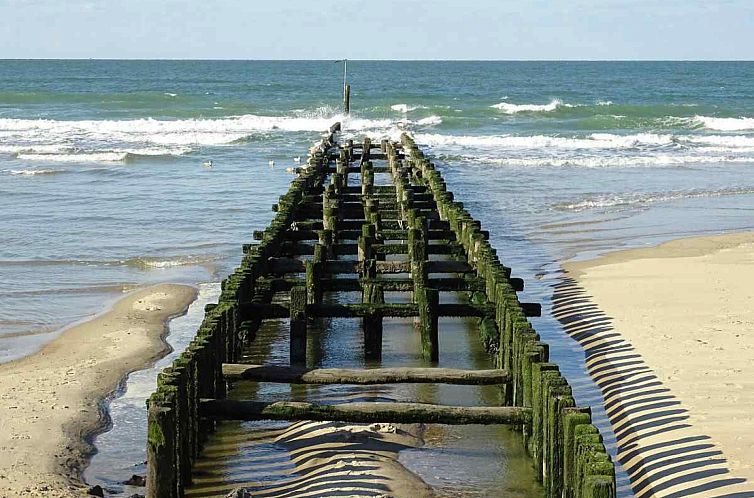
332	210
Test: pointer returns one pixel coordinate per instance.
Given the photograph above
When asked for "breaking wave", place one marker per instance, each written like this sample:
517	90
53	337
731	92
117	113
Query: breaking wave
509	108
725	124
643	199
591	141
32	172
121	140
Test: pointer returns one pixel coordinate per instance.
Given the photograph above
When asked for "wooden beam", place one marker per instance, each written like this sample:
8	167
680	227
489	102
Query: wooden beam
365	412
400	375
249	310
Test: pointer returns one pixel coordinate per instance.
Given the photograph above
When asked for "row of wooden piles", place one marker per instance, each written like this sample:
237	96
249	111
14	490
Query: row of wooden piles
567	450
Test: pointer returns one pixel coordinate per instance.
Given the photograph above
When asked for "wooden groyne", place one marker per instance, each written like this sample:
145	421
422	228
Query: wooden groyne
333	210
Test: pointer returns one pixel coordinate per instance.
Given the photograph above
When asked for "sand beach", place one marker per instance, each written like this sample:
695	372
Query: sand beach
51	402
667	331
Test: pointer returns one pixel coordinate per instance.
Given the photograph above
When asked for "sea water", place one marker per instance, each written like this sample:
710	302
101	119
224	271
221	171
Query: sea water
103	187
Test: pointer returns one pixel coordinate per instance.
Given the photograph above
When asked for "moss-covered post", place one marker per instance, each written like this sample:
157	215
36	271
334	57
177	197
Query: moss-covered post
427	301
329	208
314	281
364	243
161	451
373	294
326	240
298	325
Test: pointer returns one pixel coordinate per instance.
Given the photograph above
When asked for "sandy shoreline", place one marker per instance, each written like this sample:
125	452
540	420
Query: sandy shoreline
668	336
50	401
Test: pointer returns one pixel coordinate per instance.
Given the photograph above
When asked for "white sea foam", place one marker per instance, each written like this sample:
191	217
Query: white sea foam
643	141
643	199
33	149
119	140
611	161
595	141
64	155
183	131
96	157
430	121
32	172
725	124
509	108
149	263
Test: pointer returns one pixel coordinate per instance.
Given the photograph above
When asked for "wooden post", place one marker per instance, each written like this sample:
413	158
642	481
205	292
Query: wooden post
298	325
314	281
427	301
365	241
347	99
161	468
373	294
366	151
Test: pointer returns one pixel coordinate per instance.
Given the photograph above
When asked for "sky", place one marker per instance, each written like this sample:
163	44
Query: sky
378	29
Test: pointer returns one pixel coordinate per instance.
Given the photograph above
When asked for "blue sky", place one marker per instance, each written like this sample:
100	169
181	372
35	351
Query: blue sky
382	29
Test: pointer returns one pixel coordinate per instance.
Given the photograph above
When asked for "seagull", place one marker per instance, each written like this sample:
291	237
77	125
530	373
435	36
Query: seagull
297	159
207	164
271	163
290	170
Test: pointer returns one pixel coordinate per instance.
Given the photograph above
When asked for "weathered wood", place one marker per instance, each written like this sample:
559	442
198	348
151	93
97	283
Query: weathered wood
397	375
372	324
368	412
161	467
252	310
427	301
297	315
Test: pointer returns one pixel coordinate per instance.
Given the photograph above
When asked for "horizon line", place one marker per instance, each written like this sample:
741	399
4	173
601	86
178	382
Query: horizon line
178	59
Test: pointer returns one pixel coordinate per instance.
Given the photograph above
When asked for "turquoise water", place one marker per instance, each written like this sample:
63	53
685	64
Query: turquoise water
102	186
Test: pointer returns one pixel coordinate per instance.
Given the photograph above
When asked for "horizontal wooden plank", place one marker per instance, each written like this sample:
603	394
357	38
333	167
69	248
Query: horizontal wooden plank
364	412
400	375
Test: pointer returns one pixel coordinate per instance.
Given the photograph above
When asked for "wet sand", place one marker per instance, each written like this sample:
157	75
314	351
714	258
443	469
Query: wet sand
669	336
51	402
325	459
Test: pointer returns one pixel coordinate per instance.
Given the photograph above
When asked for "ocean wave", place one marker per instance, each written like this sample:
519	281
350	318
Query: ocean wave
592	141
509	108
217	131
725	124
612	161
404	108
157	263
78	156
33	172
429	121
642	199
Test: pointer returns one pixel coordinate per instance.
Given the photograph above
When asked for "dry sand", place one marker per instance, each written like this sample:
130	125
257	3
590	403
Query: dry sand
669	337
50	402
